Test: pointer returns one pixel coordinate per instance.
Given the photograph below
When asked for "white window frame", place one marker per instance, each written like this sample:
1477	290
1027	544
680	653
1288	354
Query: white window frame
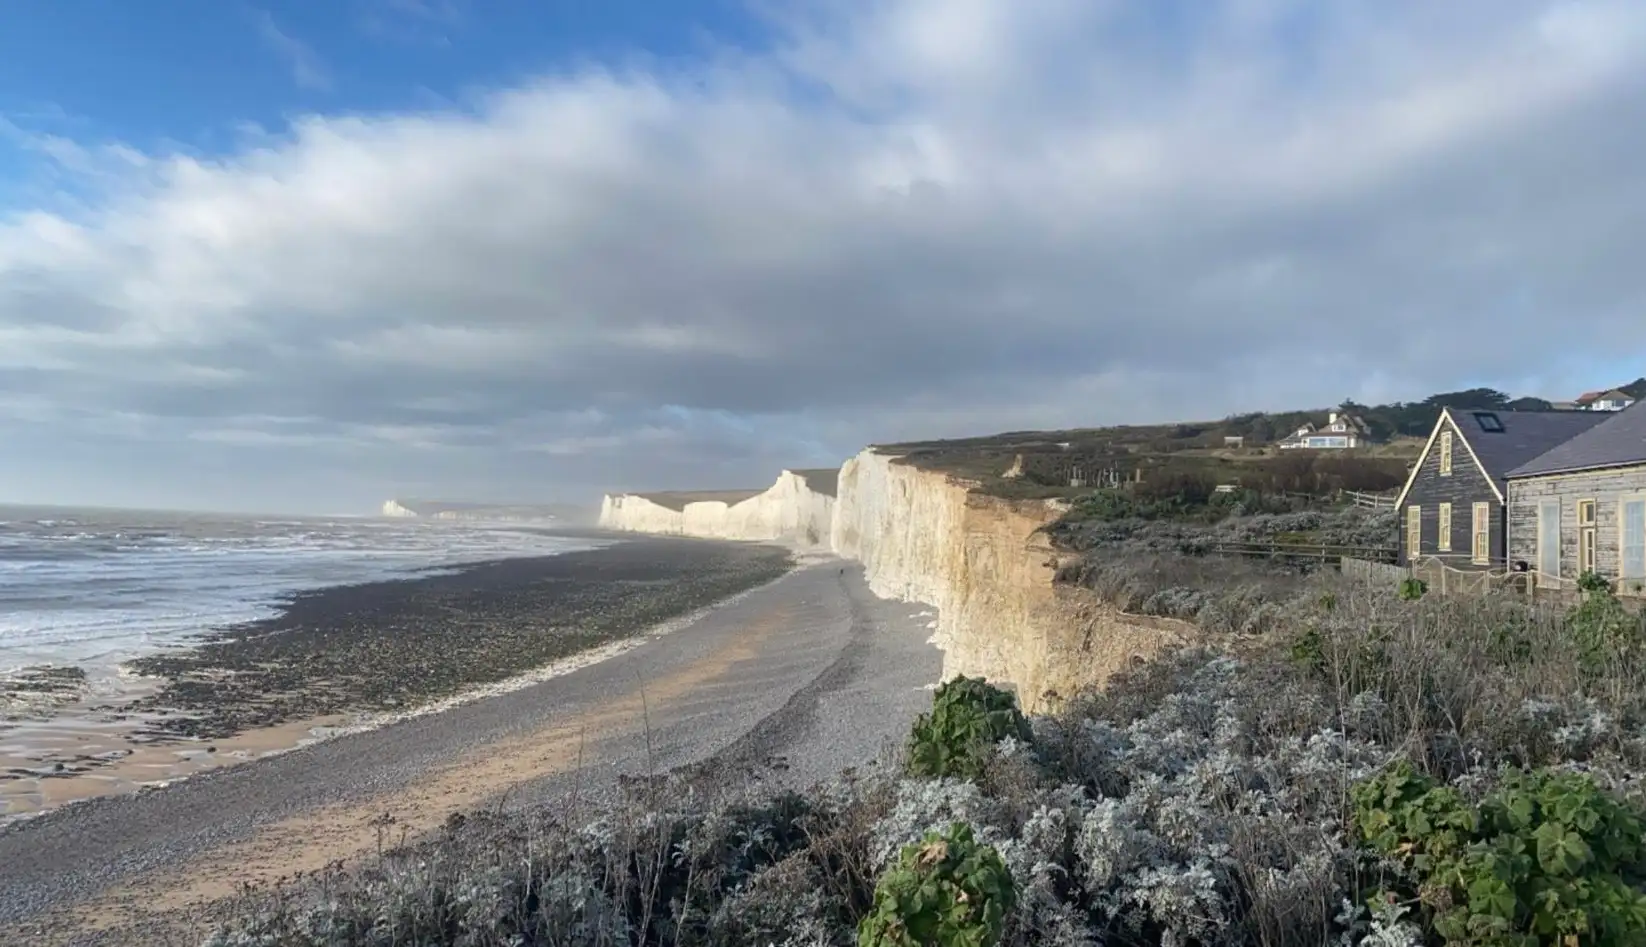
1447	453
1624	573
1588	535
1414	532
1543	506
1480	534
1443	530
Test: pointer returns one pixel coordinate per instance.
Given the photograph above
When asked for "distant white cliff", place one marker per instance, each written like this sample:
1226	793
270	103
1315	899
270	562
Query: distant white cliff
393	508
797	509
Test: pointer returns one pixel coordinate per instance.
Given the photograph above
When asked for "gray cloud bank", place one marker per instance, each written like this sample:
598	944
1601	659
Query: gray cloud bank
907	218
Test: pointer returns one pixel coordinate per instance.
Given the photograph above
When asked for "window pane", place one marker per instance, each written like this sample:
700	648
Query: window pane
1634	539
1548	552
1482	532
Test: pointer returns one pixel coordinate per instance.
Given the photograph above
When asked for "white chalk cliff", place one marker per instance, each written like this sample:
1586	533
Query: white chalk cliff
798	509
982	562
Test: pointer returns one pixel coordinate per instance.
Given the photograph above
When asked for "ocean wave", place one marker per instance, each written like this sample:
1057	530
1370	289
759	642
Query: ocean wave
88	588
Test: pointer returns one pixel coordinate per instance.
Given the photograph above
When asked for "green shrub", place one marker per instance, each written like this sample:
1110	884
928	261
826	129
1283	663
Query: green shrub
968	716
1309	650
1546	858
1604	629
1593	582
1413	589
946	890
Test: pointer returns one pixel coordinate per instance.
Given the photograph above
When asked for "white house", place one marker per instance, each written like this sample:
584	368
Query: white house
1612	401
1339	432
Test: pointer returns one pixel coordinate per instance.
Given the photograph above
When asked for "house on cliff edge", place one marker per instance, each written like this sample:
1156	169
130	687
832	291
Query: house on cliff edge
1453	506
1581	506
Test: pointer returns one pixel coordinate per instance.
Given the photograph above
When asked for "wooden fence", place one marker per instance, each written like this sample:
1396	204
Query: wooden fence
1305	552
1371	501
1373	572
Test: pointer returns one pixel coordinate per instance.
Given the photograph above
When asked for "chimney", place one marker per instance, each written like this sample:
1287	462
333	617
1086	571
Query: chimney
1331	418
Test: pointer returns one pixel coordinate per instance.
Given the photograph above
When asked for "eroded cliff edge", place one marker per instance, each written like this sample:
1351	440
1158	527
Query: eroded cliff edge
983	563
990	571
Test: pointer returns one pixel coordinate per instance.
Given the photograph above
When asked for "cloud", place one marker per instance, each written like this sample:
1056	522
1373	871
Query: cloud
425	22
307	69
900	218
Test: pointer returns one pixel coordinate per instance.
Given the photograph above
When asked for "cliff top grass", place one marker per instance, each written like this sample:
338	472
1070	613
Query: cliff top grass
1069	464
1201	448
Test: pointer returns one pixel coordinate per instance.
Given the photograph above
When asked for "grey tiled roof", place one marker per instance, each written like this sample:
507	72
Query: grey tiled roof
1525	435
1618	440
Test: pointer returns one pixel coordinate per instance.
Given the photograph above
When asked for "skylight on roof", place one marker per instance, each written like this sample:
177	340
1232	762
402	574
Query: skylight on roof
1488	421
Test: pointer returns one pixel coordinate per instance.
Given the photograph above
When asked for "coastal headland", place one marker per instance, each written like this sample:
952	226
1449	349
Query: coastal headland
793	682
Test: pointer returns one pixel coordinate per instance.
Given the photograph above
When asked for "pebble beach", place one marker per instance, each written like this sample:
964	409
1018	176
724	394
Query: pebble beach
344	658
788	680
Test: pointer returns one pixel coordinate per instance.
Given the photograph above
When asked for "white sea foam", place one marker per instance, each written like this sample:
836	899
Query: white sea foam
94	588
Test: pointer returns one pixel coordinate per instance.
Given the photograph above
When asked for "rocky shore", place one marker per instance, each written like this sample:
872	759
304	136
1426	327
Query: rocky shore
786	684
350	658
385	646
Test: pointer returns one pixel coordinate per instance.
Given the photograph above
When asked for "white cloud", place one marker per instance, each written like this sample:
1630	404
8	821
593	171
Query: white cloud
307	69
908	219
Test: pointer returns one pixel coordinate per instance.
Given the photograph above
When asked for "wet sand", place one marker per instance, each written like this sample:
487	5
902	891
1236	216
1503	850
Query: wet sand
355	657
78	759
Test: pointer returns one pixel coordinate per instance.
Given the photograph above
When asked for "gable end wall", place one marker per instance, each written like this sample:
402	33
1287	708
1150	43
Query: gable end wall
1463	489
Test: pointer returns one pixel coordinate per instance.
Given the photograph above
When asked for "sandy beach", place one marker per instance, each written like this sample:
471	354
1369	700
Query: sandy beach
790	682
355	657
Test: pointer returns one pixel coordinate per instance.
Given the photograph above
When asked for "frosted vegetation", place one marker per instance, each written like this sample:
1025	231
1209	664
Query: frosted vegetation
1156	567
1369	771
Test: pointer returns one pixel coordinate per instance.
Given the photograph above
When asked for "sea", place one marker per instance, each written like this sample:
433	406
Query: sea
94	588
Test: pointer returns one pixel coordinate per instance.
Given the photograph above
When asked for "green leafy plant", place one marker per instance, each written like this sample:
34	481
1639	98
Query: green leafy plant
1605	629
1546	858
1413	589
1593	582
1309	649
947	890
968	716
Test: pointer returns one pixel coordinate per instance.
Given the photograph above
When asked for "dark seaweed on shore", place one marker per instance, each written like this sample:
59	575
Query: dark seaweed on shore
387	645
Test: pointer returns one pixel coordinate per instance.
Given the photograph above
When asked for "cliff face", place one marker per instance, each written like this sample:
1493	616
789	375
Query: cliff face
797	509
983	563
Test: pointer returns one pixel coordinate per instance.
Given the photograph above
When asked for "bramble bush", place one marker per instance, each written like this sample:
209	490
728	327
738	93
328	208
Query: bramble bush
1545	858
947	890
1604	629
968	716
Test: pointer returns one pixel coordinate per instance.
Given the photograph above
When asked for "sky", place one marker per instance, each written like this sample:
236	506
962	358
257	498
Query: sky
292	256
